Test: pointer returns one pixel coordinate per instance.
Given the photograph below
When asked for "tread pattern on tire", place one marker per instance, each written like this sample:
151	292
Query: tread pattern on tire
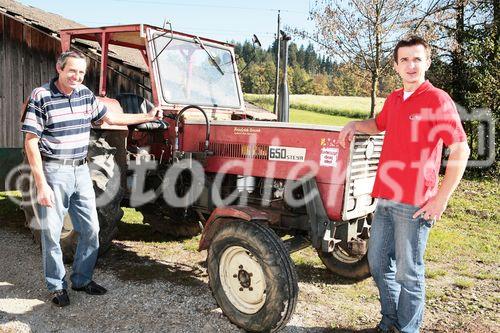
288	273
108	179
357	271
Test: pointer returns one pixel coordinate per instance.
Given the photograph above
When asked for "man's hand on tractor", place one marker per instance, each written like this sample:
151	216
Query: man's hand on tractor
45	195
156	113
432	210
347	133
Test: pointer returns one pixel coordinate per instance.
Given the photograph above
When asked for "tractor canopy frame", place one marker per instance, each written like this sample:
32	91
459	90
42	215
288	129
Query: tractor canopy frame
132	36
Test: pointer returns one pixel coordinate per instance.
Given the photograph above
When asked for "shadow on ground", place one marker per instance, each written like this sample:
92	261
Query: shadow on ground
320	274
129	266
11	215
329	330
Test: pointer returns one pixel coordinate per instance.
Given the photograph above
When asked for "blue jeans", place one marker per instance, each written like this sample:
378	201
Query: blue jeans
74	195
396	258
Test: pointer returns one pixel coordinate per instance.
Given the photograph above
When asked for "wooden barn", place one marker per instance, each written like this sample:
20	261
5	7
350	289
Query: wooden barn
29	46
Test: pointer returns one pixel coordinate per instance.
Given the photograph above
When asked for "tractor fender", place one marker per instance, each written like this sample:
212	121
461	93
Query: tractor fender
222	215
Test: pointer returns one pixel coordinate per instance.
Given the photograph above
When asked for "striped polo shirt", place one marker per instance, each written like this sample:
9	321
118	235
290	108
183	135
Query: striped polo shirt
62	122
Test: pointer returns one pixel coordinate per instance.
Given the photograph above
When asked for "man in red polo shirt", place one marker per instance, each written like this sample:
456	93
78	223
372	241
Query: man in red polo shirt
417	120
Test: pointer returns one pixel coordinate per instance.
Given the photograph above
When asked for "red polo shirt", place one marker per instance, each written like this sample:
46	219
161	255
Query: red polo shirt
415	130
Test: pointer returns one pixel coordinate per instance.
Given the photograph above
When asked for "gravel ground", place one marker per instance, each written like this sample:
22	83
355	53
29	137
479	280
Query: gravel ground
133	307
158	287
129	306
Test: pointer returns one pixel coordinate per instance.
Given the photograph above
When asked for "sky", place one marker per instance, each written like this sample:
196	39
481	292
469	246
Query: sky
222	20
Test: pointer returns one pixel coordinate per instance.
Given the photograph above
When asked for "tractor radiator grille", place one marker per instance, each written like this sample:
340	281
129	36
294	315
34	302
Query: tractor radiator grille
237	150
361	175
363	166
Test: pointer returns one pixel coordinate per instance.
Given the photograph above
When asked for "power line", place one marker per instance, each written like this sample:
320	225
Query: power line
208	6
185	29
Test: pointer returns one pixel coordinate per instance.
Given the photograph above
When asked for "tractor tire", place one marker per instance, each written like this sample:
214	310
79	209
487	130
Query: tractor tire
252	276
107	162
342	264
108	166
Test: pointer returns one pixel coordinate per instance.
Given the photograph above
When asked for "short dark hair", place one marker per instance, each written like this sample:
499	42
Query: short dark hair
63	57
411	41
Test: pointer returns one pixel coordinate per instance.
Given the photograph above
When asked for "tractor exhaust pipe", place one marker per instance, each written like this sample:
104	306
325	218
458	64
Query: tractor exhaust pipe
283	96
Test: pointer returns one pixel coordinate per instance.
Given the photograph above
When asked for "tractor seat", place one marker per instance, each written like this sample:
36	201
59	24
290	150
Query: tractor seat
132	103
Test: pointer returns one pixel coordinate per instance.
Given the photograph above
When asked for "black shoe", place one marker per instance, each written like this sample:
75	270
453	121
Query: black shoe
392	329
378	329
92	289
60	298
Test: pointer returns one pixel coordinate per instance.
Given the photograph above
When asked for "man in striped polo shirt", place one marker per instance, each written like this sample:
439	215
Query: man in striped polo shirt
57	126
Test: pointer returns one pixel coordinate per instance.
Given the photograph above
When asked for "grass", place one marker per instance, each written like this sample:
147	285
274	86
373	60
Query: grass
435	294
307	257
464	283
132	216
483	275
469	230
310	117
434	273
344	106
191	244
132	228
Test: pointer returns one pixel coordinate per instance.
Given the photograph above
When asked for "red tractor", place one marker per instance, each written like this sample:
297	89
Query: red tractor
256	189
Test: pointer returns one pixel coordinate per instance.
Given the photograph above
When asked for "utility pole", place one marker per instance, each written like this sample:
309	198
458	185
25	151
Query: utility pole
276	87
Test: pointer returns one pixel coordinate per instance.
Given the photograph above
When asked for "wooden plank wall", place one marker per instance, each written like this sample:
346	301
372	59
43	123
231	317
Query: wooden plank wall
27	60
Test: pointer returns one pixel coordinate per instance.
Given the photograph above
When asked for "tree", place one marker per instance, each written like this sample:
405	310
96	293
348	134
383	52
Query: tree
311	60
292	55
362	32
258	78
320	85
350	80
300	82
468	59
301	54
388	82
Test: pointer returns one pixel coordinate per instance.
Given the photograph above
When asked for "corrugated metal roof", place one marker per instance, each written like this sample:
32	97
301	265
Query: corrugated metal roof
51	23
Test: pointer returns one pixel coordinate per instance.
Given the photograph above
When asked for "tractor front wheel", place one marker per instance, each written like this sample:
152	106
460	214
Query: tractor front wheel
252	276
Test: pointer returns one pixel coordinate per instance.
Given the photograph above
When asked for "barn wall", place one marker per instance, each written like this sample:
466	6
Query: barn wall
27	60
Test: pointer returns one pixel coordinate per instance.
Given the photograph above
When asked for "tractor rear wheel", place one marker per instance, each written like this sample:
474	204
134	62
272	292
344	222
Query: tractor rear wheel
108	166
252	276
341	263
